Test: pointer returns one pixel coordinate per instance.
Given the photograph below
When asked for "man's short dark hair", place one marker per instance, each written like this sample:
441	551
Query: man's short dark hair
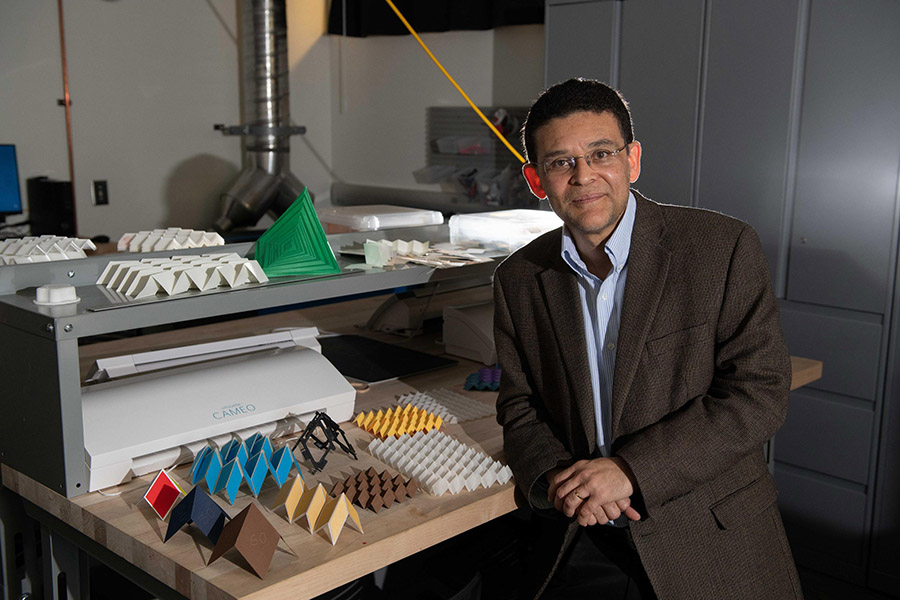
575	95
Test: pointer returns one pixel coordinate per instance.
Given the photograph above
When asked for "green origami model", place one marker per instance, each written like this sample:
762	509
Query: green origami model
295	244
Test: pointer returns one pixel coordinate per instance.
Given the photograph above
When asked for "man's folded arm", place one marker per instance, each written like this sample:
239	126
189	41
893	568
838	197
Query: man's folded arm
745	404
532	448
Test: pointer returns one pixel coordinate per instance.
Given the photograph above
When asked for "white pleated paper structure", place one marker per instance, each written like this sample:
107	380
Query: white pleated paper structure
44	248
170	276
440	463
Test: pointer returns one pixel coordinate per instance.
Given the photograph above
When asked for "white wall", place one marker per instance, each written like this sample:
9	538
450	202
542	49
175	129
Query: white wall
309	55
30	84
147	82
518	65
382	86
149	79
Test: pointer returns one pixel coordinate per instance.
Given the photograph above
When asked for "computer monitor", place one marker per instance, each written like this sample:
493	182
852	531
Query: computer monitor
10	196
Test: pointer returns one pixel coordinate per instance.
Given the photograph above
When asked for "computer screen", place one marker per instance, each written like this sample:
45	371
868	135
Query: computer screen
10	196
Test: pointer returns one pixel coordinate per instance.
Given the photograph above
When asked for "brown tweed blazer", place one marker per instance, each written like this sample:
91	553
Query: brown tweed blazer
701	382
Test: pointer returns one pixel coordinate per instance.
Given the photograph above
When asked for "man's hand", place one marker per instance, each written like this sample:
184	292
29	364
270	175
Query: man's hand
594	491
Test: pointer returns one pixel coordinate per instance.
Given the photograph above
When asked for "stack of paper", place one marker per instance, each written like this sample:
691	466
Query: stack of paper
295	244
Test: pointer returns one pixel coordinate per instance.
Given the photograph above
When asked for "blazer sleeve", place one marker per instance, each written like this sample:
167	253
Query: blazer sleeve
530	444
745	403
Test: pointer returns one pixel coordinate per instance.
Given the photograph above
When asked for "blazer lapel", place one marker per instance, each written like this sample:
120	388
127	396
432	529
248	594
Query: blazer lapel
648	265
563	302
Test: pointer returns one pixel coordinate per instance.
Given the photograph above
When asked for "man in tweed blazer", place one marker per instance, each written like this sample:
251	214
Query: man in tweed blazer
643	370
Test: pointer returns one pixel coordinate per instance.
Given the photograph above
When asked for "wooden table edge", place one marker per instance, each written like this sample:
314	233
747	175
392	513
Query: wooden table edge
305	584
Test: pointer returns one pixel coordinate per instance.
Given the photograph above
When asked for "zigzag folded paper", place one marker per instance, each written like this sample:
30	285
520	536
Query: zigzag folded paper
440	463
251	534
170	276
237	460
173	238
201	510
44	248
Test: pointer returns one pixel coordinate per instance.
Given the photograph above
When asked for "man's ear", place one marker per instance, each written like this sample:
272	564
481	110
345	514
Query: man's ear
634	161
529	170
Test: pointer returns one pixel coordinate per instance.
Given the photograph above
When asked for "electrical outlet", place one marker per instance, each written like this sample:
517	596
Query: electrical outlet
100	193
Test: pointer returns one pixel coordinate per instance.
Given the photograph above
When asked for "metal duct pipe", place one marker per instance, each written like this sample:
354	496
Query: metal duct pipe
266	182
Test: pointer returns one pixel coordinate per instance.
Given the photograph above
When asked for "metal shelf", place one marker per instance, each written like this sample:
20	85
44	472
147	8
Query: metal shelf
41	429
100	312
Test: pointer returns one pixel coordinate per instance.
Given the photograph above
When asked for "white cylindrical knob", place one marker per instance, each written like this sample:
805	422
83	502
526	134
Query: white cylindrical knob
55	293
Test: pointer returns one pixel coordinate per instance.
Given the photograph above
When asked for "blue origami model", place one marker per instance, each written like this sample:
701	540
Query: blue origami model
250	460
212	471
485	379
255	471
280	464
229	480
201	510
201	464
235	449
258	443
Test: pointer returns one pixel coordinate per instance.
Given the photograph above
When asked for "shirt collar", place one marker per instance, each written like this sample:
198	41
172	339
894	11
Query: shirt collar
617	246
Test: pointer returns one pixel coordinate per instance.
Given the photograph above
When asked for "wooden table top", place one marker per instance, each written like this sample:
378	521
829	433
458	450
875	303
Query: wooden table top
125	524
305	565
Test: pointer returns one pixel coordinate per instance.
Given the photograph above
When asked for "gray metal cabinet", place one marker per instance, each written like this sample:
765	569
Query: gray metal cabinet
831	515
582	38
883	572
786	114
824	452
847	341
848	157
746	126
827	418
842	262
662	89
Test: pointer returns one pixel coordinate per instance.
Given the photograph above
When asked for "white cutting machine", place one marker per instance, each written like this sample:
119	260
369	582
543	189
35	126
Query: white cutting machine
163	416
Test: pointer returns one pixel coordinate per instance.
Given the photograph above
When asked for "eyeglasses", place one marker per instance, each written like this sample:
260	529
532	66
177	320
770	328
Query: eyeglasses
565	165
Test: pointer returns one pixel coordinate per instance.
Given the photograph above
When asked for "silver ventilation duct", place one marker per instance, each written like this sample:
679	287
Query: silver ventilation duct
266	182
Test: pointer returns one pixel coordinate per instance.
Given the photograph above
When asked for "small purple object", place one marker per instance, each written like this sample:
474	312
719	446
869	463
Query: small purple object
485	379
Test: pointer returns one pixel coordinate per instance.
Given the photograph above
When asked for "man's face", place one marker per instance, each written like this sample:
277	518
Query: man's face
590	199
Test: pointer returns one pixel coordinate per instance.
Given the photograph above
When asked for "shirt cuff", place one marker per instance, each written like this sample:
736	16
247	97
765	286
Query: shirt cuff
538	497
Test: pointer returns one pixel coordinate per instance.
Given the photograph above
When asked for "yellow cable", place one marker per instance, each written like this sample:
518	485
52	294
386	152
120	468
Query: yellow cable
459	89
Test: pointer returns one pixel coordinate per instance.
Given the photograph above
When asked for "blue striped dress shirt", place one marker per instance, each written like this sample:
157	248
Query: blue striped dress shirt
601	305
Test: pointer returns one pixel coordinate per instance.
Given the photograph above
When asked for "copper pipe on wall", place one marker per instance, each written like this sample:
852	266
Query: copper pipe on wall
67	100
